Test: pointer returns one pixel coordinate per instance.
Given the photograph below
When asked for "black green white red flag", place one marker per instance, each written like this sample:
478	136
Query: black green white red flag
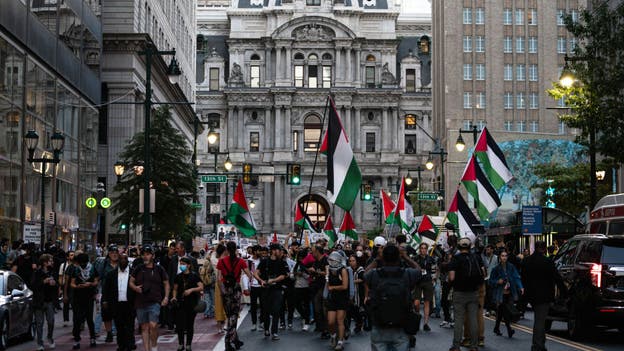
493	160
348	227
388	206
302	220
330	232
479	187
462	217
343	174
403	213
427	231
239	214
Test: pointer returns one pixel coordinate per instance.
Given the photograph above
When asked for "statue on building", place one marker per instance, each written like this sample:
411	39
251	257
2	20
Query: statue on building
386	76
312	32
236	75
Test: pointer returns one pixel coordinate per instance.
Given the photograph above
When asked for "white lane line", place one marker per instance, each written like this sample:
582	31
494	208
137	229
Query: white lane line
221	344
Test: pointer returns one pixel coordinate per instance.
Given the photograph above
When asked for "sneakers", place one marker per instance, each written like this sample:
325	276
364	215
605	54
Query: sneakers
339	346
333	341
188	348
254	327
76	346
40	348
305	327
92	343
445	324
267	333
289	326
481	343
275	337
238	344
282	326
426	327
325	335
109	337
181	348
465	343
51	344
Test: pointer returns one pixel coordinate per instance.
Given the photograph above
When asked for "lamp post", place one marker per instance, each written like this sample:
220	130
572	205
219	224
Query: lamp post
429	166
173	71
460	145
409	180
58	142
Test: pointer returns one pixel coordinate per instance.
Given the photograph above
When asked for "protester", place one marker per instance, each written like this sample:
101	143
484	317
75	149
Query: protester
288	304
255	289
541	277
220	316
445	303
45	295
356	308
64	274
424	287
466	274
103	266
84	282
119	298
317	270
302	290
208	276
151	284
507	286
270	273
337	286
187	288
490	260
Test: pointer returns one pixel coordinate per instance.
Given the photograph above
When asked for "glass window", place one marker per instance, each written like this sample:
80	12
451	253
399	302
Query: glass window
254	141
467	100
410	143
410	80
467	43
507	16
532	45
560	17
467	15
255	76
312	76
410	121
508	101
481	124
327	76
533	101
299	76
520	72
467	124
519	44
370	77
533	74
14	283
213	79
562	130
532	17
479	15
575	15
370	142
561	45
480	71
316	210
480	100
467	71
572	44
508	72
507	45
508	125
520	100
479	44
313	2
295	140
534	126
521	126
312	133
519	16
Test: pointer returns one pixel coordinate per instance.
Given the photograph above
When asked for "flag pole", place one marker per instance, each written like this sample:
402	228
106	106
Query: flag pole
305	210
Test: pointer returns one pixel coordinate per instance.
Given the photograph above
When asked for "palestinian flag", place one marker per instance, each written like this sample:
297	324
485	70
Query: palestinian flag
239	214
479	187
462	217
493	160
403	212
343	174
427	231
302	220
348	227
388	206
330	232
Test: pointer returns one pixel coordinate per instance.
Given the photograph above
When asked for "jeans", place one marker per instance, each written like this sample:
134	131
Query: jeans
540	311
320	314
209	299
271	307
255	295
185	323
302	303
446	304
123	316
288	305
66	310
391	339
437	297
47	312
480	317
83	312
503	312
465	305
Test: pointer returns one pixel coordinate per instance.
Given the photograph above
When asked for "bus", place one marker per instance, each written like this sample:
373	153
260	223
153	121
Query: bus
607	216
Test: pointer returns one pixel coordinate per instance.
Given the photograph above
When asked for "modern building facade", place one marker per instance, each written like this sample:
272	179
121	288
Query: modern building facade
49	81
497	59
130	26
264	72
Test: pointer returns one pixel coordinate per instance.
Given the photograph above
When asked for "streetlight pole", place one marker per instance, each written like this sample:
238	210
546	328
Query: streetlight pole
429	166
460	145
172	71
58	142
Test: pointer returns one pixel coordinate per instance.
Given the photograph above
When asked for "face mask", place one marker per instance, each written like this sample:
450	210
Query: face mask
359	254
182	268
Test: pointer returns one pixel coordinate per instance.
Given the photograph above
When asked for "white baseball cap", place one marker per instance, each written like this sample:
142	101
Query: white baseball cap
380	241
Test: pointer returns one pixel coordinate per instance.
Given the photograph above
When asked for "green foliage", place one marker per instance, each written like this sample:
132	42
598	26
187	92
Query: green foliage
172	176
596	101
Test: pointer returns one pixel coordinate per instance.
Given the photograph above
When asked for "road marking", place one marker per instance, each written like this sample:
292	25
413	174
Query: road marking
241	317
557	339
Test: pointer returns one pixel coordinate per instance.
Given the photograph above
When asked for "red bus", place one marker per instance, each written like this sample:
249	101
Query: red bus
608	216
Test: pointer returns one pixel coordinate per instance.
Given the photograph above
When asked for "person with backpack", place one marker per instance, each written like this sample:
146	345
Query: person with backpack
506	287
208	276
424	288
389	299
337	285
466	273
187	287
45	294
270	273
229	271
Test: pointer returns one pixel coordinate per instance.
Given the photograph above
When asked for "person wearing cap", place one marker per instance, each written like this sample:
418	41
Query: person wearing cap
151	285
187	288
270	273
103	266
288	305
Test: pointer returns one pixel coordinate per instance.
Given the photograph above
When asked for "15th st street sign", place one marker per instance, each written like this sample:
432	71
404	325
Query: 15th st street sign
214	179
424	196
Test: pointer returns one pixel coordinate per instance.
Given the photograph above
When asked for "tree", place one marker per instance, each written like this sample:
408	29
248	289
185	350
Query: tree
596	101
173	178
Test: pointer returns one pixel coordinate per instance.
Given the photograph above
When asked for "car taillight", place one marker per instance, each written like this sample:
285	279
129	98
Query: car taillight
596	275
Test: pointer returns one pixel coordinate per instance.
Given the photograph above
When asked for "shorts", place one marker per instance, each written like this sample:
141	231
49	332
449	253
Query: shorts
149	313
424	289
338	301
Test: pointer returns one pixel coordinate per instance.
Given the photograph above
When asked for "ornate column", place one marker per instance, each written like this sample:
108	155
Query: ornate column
348	77
268	78
277	202
241	130
287	130
288	67
267	204
356	127
279	127
347	118
395	128
278	63
270	131
338	65
385	126
231	128
358	73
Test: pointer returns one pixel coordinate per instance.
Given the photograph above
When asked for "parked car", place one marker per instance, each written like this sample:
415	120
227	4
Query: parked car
592	268
16	312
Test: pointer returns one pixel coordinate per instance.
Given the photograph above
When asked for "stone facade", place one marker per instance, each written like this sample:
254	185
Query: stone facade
264	72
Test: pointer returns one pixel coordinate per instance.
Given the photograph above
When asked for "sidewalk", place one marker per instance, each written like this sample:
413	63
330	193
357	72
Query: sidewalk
205	338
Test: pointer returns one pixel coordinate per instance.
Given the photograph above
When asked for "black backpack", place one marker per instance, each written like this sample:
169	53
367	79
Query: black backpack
229	279
391	298
470	272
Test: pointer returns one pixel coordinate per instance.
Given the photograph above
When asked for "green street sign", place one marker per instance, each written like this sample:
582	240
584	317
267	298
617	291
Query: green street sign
196	205
91	202
105	202
427	196
214	179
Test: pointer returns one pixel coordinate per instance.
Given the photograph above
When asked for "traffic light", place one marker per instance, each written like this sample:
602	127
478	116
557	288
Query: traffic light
293	173
123	226
247	173
366	192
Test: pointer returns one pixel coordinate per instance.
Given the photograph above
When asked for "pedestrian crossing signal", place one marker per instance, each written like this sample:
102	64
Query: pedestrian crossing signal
366	192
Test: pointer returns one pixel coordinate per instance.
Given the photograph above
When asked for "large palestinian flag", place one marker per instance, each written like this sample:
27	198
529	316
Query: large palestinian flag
403	212
343	174
348	227
330	232
239	213
462	217
427	231
479	187
493	160
387	205
302	220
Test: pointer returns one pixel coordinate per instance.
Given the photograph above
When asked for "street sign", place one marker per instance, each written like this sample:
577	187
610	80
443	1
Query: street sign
531	220
196	205
91	202
214	179
105	202
32	233
423	196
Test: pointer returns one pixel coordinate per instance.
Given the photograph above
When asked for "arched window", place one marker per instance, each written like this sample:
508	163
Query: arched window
255	57
312	133
313	72
254	71
312	57
299	56
316	208
327	56
370	58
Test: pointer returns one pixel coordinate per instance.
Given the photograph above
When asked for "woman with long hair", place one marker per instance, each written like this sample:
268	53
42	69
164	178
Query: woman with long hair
302	289
507	287
187	288
229	271
219	310
337	283
356	310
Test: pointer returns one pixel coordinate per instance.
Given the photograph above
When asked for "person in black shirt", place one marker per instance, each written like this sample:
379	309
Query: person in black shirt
270	273
318	272
45	294
84	281
424	287
186	290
